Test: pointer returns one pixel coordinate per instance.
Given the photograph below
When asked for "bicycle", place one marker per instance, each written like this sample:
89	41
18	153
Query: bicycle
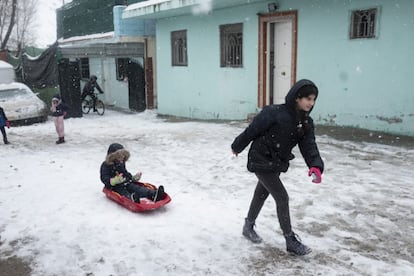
87	105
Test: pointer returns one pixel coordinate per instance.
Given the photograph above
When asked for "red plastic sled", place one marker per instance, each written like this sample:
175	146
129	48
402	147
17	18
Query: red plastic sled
145	204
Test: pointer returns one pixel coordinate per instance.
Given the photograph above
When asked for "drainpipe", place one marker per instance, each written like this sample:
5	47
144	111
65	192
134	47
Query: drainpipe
145	70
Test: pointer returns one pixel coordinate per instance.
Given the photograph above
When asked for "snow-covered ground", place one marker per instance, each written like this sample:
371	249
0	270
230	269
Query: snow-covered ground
359	221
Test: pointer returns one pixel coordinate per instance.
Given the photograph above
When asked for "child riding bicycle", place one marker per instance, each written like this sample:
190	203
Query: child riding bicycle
89	89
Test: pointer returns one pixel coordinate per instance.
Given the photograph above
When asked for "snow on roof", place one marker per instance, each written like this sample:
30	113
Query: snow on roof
69	41
145	4
4	64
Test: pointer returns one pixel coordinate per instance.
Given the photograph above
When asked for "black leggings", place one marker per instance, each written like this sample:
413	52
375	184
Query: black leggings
270	183
140	191
128	189
3	131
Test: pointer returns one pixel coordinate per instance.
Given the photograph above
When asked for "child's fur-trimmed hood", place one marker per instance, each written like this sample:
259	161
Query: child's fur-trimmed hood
116	152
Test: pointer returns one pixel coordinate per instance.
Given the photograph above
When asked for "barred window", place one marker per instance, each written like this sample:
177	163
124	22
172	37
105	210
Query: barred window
121	68
179	48
84	68
363	23
231	45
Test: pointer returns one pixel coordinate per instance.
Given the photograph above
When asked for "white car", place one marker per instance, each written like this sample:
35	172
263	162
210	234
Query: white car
21	105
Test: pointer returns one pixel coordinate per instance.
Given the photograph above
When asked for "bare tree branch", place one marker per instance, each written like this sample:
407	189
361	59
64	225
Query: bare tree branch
24	24
4	10
17	16
11	25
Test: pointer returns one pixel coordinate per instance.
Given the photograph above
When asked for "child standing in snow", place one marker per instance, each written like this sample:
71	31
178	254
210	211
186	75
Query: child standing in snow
116	177
274	132
4	122
58	109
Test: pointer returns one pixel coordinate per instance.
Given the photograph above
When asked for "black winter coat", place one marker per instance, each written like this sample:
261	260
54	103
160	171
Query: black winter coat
61	109
275	131
3	118
90	86
110	170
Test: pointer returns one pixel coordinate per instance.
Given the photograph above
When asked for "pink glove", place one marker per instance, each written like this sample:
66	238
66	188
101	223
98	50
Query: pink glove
8	124
316	174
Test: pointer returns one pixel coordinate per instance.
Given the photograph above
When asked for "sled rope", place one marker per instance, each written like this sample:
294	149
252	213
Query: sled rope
219	162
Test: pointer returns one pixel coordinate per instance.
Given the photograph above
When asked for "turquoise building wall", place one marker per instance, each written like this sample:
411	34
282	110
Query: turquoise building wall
203	89
132	26
363	82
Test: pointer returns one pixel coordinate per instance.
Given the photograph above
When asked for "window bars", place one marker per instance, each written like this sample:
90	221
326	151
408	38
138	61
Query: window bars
231	45
179	48
363	23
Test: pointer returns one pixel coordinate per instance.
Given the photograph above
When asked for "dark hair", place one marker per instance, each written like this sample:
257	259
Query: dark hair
303	117
93	77
306	91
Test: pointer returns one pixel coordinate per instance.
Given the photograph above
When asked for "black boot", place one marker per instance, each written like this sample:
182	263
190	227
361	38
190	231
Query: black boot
249	232
61	140
159	194
135	198
294	245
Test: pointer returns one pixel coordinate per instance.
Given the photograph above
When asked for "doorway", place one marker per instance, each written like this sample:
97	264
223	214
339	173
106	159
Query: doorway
136	85
69	86
277	56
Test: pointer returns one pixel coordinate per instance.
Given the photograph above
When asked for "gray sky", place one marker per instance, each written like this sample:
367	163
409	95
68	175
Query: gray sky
46	21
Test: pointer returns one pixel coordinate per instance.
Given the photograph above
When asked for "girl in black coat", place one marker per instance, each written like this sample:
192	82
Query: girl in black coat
115	176
274	132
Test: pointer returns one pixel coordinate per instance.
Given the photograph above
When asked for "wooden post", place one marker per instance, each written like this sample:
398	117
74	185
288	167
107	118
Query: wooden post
3	55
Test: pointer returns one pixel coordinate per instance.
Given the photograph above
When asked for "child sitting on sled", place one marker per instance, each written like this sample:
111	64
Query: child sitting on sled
116	177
